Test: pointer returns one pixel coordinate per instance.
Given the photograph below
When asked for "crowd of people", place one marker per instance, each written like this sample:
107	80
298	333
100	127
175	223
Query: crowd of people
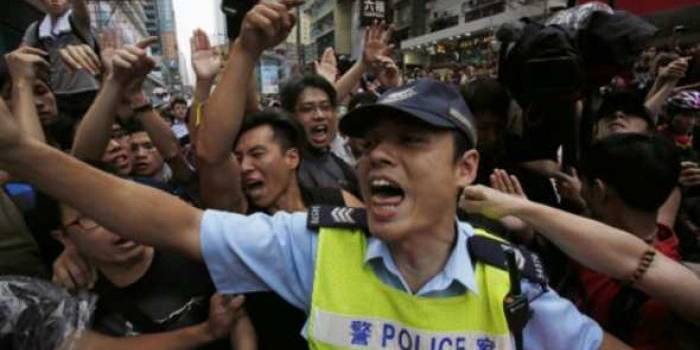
467	213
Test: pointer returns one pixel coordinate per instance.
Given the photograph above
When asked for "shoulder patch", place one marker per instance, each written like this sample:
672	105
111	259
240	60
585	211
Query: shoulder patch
336	217
492	252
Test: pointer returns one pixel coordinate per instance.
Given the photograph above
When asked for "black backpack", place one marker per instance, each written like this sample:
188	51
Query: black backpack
543	62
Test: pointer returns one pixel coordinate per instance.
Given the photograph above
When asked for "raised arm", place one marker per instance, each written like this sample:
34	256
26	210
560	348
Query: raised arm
264	26
94	131
376	45
162	135
23	65
131	210
206	64
595	245
665	84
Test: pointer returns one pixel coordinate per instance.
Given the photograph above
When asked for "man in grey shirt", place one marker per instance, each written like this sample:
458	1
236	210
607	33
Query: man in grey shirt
67	28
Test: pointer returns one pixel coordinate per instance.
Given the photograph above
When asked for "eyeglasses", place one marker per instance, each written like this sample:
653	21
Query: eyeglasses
83	223
323	107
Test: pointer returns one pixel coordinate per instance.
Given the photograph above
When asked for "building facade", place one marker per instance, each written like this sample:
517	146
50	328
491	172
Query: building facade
130	21
459	32
329	22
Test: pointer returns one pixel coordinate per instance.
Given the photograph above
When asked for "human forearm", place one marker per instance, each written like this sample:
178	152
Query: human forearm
160	133
180	339
220	186
131	210
252	104
223	112
94	131
675	285
166	143
202	90
655	102
25	110
350	79
596	245
616	253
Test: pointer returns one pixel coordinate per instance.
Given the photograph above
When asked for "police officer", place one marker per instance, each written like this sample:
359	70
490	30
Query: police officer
402	275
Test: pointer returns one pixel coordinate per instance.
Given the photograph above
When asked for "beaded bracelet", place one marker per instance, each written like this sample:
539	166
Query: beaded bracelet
644	262
198	114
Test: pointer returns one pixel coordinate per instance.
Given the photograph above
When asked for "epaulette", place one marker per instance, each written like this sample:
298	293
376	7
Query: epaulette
492	252
336	217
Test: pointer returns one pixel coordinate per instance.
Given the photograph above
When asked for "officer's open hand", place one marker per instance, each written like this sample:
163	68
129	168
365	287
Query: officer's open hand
489	202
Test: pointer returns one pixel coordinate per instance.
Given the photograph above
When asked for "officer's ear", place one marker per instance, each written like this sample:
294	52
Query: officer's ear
466	167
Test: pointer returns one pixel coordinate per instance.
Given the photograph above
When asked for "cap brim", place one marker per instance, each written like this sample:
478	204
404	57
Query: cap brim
357	122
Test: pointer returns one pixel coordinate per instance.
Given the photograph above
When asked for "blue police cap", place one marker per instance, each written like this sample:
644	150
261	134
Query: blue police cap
433	102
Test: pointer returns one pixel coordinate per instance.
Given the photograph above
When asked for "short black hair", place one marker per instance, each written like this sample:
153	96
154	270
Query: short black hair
627	101
487	95
291	91
643	169
132	126
287	132
362	99
178	100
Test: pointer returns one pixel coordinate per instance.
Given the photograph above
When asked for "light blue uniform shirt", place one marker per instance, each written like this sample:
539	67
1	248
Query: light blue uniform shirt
262	253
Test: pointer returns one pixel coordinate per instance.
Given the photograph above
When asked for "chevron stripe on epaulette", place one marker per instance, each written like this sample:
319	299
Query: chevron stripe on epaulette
337	217
492	252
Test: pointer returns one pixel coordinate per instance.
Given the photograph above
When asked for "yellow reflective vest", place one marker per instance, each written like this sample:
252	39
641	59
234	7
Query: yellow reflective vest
352	309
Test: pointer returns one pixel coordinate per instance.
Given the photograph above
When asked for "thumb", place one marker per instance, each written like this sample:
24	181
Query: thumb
146	42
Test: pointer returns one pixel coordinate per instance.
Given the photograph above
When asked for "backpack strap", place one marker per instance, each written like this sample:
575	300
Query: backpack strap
336	217
33	37
493	252
86	38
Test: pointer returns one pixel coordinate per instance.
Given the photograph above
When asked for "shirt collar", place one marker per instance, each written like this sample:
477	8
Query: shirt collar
62	25
459	267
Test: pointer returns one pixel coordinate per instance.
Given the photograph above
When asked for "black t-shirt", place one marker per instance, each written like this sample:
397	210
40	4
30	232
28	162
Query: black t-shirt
173	293
278	323
323	169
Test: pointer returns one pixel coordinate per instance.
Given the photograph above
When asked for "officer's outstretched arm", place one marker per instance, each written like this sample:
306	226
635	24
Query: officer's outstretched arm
597	246
131	210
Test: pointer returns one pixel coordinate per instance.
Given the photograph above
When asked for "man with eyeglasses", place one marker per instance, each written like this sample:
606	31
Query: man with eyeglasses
313	101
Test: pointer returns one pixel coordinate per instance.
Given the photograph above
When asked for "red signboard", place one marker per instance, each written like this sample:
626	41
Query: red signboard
646	7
